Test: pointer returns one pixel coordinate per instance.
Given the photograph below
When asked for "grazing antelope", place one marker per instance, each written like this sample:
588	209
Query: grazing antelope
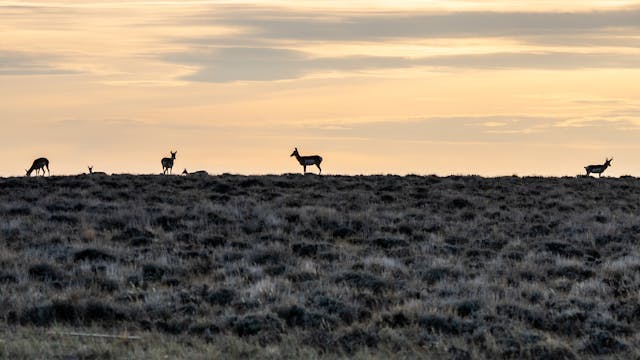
91	172
199	172
307	160
598	169
39	164
167	163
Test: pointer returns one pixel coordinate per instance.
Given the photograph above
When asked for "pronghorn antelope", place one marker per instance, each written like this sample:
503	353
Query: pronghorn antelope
91	172
598	169
307	160
199	172
167	163
39	164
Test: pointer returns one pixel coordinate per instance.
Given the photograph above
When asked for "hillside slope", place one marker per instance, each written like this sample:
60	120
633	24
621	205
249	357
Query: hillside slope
302	266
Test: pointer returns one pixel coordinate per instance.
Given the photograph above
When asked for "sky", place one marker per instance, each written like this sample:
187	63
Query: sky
374	87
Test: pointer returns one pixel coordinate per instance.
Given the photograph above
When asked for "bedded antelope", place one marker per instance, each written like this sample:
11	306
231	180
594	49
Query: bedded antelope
39	164
598	169
167	163
308	160
91	172
199	172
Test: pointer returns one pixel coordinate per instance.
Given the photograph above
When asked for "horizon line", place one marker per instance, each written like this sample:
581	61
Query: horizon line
327	175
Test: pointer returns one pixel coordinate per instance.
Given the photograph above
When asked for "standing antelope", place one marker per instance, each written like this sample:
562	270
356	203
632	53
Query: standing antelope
91	172
39	164
307	160
167	163
199	172
598	169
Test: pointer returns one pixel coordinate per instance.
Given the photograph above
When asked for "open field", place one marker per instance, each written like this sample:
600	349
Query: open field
308	266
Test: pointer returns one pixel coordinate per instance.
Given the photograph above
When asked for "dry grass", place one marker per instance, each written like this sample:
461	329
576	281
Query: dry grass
306	266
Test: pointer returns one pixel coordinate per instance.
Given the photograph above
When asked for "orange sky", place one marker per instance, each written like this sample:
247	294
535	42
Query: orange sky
452	87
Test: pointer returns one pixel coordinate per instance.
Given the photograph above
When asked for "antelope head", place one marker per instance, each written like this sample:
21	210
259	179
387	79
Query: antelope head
173	154
607	162
294	153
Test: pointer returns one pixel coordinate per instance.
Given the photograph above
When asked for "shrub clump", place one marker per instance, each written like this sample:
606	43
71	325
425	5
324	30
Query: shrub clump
305	249
221	297
459	203
8	278
92	255
603	343
345	312
45	272
295	315
45	315
388	243
562	249
467	307
153	272
270	257
73	314
343	232
254	324
436	274
363	281
213	241
445	324
396	320
572	272
357	339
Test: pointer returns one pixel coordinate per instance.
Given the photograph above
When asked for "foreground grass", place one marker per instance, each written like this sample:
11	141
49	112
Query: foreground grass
305	266
58	342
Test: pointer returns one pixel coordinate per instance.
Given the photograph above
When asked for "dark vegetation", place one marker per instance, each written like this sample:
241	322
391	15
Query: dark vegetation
456	267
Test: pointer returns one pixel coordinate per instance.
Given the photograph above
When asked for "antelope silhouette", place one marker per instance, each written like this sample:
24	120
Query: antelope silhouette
308	160
39	164
167	163
91	172
199	172
598	169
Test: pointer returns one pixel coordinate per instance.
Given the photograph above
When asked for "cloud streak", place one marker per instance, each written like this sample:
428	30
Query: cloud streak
228	64
261	64
296	25
20	63
269	43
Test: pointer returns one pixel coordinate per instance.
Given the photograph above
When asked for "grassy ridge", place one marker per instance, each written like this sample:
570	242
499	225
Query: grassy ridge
460	267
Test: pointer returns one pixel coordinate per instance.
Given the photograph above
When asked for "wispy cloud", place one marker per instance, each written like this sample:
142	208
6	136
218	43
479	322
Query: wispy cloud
256	64
20	63
544	60
269	43
229	64
277	23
